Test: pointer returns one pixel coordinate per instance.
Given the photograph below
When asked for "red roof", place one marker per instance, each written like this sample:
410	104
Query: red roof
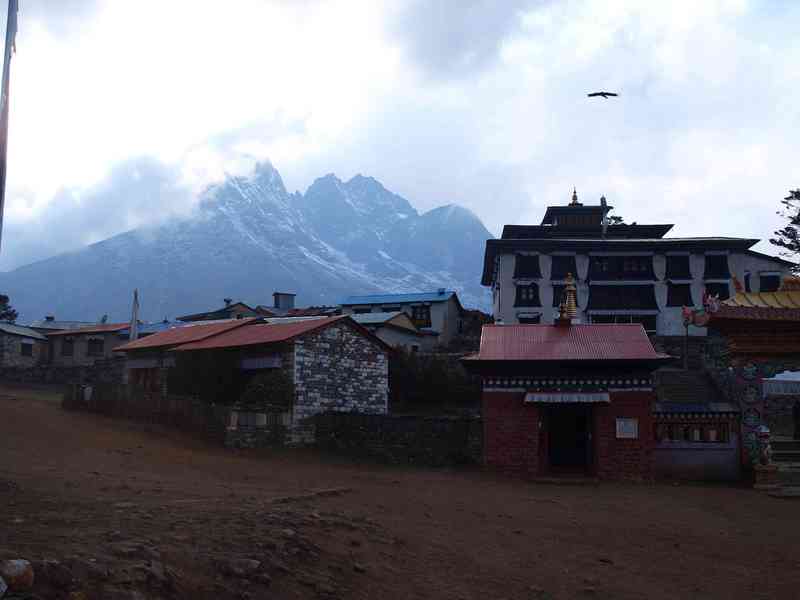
268	333
99	328
755	313
574	342
182	334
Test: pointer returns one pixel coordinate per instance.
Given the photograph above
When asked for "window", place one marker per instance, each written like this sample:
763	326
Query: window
563	265
96	347
622	297
527	295
415	348
67	347
679	294
529	319
526	266
621	267
362	311
678	267
26	349
747	282
719	289
627	429
717	267
558	296
769	283
702	433
421	315
649	322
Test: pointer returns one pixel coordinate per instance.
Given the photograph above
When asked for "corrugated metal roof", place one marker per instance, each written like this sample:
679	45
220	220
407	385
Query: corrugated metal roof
755	313
184	333
56	325
399	298
557	343
374	318
260	333
13	329
98	328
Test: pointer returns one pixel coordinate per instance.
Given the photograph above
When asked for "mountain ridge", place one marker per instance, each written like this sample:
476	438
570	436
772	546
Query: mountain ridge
249	237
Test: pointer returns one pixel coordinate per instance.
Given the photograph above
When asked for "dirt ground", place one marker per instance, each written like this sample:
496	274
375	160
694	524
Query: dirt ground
113	509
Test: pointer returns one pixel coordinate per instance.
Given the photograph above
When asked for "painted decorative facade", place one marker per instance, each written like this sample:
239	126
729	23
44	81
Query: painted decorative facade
625	273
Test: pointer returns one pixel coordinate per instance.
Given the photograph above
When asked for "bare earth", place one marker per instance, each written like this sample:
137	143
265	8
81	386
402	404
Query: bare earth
127	506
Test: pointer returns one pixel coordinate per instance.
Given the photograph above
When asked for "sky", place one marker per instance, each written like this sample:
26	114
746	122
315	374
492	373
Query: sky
123	112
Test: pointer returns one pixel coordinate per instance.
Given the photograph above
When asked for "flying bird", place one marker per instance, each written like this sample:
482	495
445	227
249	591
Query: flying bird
605	95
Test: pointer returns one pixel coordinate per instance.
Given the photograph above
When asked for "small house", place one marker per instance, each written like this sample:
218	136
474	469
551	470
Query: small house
21	346
396	329
84	346
331	364
567	399
436	313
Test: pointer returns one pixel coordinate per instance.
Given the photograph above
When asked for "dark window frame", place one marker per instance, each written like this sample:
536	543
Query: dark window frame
527	295
26	349
530	320
92	347
678	293
421	315
622	297
773	282
716	267
678	267
67	346
527	266
561	265
723	290
634	267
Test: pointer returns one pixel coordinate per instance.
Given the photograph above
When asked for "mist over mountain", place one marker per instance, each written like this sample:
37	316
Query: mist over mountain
250	237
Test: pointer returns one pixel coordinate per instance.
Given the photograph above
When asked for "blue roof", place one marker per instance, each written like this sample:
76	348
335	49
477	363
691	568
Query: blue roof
438	296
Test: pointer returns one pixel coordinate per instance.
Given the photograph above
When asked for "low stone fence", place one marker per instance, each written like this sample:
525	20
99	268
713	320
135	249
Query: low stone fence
419	440
110	370
229	426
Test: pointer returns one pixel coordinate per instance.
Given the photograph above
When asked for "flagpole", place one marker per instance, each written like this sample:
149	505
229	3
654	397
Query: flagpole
11	34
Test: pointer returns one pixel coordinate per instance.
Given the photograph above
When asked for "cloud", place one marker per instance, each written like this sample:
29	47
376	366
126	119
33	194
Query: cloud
136	192
479	103
455	38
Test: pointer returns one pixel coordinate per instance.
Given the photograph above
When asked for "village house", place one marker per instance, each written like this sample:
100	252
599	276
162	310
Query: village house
231	310
282	306
50	324
436	313
396	329
21	346
568	398
626	273
332	364
84	346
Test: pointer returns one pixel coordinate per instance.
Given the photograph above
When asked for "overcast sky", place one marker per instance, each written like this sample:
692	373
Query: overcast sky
122	110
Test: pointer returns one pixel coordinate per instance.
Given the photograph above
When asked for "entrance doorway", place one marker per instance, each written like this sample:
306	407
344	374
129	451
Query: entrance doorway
569	437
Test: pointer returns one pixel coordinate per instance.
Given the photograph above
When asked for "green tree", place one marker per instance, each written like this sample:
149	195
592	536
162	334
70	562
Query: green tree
7	313
788	237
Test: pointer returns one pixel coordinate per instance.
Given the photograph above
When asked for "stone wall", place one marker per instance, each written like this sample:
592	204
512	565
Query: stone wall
337	369
102	371
11	351
417	440
778	413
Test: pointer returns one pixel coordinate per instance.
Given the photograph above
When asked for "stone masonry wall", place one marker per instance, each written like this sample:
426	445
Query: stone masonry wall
102	371
11	352
417	440
625	458
337	369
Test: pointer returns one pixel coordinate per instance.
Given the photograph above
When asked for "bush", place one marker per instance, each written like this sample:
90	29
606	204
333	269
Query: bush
271	389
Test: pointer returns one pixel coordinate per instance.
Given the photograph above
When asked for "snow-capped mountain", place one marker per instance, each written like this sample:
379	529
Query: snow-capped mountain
250	237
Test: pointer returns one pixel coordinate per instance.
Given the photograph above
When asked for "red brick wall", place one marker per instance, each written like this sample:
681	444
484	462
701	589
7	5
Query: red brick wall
510	433
512	437
624	459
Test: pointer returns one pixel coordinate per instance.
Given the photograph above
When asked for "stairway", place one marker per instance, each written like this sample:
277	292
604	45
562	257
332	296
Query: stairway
786	455
685	387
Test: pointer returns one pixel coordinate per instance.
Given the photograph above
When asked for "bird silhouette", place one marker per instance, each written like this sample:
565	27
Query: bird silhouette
605	95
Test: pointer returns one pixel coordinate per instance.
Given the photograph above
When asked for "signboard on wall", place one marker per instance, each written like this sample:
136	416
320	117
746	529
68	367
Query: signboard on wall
627	429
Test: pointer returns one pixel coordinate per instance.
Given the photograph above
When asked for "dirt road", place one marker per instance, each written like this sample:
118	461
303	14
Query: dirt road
126	508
